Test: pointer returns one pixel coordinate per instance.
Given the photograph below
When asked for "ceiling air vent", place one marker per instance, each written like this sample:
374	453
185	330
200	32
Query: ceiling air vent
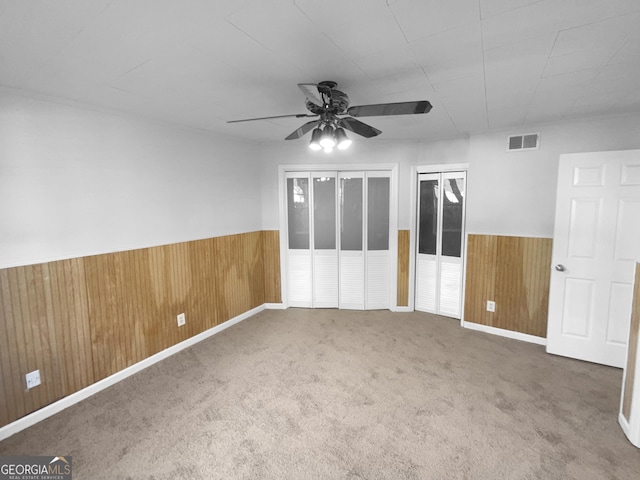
528	141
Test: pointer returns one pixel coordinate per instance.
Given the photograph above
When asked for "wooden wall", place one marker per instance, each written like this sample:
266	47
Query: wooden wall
403	268
43	325
83	319
630	372
271	246
514	272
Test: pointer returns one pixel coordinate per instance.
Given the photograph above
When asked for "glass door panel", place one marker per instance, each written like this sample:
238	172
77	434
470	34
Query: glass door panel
298	212
324	213
452	215
378	191
351	207
428	216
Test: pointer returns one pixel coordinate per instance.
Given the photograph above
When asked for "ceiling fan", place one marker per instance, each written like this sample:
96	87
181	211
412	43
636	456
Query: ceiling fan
331	106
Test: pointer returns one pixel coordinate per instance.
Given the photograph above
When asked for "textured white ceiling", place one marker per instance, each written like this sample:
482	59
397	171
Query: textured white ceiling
483	64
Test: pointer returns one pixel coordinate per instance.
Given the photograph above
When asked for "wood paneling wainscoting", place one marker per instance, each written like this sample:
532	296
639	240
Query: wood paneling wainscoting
632	356
81	320
44	324
403	267
271	247
514	272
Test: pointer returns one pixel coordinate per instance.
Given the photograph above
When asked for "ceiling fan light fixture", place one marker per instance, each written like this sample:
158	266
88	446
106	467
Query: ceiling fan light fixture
327	140
333	114
342	140
314	144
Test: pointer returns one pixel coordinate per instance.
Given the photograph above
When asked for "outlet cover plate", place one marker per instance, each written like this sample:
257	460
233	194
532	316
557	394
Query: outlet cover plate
491	306
181	319
33	379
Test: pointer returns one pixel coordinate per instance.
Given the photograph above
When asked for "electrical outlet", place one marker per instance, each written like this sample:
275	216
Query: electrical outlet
491	306
181	319
33	379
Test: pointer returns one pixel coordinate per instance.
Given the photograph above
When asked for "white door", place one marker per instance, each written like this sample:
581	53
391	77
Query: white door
351	258
338	239
439	259
595	244
377	253
311	238
364	258
299	274
324	244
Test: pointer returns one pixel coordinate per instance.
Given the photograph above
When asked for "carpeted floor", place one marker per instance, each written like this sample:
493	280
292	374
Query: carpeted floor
328	394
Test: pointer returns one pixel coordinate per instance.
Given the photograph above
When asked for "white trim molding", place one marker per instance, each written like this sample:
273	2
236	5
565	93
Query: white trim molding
442	167
633	437
70	400
274	306
631	426
524	337
401	309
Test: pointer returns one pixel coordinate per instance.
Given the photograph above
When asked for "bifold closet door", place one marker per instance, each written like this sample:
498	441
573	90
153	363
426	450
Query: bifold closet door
299	259
451	261
377	256
439	261
364	258
351	257
427	257
338	234
325	250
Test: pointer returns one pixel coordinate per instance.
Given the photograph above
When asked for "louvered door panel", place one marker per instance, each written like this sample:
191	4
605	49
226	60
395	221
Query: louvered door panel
450	286
325	279
351	280
378	277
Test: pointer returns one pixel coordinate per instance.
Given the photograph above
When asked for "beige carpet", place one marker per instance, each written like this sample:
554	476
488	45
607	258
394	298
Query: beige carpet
327	394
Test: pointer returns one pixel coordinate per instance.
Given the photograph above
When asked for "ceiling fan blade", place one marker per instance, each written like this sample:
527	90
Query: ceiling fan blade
312	93
356	126
297	115
304	129
401	108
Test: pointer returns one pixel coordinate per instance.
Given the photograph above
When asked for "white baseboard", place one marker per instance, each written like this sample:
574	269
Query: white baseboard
505	333
626	428
401	309
274	306
46	412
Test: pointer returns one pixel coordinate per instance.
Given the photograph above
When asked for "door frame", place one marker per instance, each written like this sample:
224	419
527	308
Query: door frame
415	171
340	167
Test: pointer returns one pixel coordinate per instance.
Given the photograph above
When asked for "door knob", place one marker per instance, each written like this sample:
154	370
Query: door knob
560	267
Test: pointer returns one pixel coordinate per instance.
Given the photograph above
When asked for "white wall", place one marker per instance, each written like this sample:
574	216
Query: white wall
513	193
75	182
509	193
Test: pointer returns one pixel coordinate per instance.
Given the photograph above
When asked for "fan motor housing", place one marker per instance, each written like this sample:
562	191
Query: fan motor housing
336	101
